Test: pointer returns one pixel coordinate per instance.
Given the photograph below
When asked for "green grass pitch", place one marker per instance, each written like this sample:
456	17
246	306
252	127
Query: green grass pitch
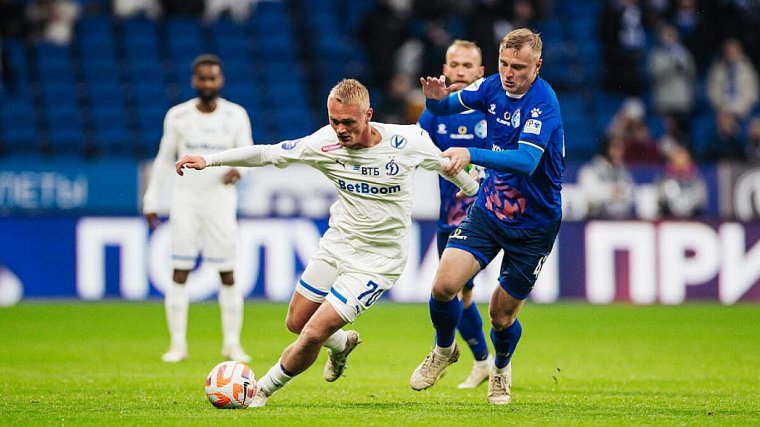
74	363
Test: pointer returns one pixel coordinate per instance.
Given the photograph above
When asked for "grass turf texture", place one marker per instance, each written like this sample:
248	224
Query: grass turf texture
99	364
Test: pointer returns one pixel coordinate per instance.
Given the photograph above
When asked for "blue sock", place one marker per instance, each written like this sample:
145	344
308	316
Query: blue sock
471	328
505	343
445	316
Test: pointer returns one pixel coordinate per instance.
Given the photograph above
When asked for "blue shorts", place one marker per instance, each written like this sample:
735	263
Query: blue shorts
525	249
443	238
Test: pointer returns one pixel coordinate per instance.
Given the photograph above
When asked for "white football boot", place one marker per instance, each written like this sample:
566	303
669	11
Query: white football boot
500	386
431	369
259	398
336	362
176	353
236	353
479	373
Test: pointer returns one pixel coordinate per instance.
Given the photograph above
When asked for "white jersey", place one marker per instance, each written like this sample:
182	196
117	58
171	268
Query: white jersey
375	185
190	131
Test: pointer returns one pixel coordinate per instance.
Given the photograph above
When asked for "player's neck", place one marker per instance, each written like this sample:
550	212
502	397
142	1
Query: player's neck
371	137
206	106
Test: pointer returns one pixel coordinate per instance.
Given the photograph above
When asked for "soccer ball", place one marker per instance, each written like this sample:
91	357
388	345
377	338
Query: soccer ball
231	385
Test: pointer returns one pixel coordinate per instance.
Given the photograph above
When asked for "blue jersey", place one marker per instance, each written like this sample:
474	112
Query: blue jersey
467	129
512	199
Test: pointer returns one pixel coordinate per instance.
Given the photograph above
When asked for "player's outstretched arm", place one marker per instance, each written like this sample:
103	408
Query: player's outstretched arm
191	162
435	87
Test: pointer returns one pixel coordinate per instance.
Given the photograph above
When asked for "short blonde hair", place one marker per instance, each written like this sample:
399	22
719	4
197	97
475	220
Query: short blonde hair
520	37
350	92
464	44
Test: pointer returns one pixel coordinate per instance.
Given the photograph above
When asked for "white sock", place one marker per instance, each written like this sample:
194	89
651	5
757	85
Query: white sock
444	351
176	304
231	305
488	361
337	341
274	379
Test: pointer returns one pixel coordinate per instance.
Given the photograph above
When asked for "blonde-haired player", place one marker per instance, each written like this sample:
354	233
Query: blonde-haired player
364	251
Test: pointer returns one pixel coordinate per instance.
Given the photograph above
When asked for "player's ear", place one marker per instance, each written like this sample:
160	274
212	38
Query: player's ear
481	71
538	64
369	114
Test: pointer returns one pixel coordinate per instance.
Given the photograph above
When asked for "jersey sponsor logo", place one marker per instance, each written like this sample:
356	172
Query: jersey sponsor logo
367	170
535	112
398	142
366	188
441	128
289	145
516	119
533	126
331	147
481	129
392	168
506	119
457	234
461	133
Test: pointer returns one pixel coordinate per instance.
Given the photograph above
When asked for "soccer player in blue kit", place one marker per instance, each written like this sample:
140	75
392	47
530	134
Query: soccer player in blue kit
466	129
518	209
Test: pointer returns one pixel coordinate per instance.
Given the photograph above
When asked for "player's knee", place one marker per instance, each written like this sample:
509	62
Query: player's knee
311	337
502	320
444	289
293	325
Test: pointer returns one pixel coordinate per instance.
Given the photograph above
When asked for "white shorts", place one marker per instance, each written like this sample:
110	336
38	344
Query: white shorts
210	230
349	279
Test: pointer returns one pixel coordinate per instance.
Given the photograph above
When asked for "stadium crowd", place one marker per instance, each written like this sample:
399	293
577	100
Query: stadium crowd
655	75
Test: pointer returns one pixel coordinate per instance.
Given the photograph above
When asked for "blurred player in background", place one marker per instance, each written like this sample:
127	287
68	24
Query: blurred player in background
466	129
517	211
364	251
203	206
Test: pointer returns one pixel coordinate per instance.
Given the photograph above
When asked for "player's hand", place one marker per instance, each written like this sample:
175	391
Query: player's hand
435	87
153	220
459	157
192	162
231	177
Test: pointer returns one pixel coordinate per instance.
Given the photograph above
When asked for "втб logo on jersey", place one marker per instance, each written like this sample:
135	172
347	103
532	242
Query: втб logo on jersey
398	142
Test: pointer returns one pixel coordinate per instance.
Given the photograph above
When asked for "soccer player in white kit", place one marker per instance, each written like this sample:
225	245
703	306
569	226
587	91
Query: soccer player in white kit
203	205
364	251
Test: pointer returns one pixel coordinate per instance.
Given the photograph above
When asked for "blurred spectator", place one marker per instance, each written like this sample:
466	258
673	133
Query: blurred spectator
12	19
395	105
621	32
486	27
607	183
628	124
673	76
741	19
753	141
697	27
128	8
183	7
732	84
382	32
7	78
681	190
52	20
727	142
239	10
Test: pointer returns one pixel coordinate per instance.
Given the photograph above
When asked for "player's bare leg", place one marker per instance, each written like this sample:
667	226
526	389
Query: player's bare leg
300	355
454	270
503	312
